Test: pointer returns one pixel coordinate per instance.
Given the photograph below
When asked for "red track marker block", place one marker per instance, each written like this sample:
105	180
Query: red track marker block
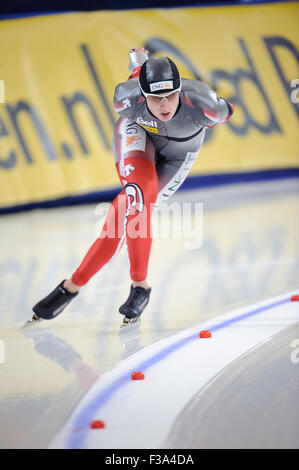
137	376
97	424
205	334
295	298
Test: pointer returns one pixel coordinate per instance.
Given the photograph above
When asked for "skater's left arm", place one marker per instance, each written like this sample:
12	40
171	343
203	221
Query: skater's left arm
213	109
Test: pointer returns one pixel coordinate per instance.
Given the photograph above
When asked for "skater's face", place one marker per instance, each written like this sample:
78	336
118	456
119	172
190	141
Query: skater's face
163	107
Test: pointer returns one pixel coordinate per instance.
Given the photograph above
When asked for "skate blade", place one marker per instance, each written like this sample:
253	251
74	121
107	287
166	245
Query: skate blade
129	321
34	320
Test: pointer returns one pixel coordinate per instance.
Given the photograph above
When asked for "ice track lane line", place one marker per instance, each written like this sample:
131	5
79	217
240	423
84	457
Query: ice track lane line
81	423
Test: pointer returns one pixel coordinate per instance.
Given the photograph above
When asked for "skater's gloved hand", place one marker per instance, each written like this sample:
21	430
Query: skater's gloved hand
138	55
230	112
139	49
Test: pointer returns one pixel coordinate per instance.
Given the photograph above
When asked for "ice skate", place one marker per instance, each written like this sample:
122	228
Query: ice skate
52	305
129	321
134	305
33	321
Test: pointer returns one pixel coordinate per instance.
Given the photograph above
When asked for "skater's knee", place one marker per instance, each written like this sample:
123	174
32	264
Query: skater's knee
140	195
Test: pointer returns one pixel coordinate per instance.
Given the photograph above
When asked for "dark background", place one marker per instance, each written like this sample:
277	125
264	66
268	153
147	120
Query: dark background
20	7
27	6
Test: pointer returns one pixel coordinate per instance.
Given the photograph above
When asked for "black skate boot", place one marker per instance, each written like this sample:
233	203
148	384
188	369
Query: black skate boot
53	304
135	304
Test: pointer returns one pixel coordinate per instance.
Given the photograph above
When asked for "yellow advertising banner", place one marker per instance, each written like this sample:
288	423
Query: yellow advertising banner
58	74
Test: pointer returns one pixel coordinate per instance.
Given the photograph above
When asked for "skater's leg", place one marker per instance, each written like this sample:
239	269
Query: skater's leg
141	190
135	158
106	246
135	154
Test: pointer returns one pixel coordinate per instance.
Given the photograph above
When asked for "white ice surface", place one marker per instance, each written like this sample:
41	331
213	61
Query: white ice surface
139	414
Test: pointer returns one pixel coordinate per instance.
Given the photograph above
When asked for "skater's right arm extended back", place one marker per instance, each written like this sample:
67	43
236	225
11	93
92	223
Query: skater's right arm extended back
127	96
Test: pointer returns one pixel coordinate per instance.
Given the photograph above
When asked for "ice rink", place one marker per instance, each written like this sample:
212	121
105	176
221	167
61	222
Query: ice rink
234	273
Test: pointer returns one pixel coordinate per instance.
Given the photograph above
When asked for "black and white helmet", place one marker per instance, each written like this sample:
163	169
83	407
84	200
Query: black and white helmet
159	75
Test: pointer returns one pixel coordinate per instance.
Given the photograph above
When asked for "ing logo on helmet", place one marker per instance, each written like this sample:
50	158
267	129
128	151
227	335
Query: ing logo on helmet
135	196
164	85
